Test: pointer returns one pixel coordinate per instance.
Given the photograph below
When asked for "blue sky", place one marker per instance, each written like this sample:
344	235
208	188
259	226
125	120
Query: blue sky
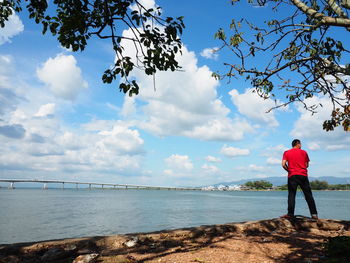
59	121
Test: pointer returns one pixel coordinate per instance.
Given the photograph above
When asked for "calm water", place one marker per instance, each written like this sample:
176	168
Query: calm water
33	214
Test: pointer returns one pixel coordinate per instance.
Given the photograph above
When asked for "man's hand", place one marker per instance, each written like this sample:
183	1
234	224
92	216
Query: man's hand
284	165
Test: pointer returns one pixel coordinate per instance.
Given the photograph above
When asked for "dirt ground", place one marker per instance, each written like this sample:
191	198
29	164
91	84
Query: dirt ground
275	240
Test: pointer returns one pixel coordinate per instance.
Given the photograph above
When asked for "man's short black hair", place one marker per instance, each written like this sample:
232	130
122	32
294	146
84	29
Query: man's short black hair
295	142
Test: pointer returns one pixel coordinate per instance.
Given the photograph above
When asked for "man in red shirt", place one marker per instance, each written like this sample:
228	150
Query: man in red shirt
296	161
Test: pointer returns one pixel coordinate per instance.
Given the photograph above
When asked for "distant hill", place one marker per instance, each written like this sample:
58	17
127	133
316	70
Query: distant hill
276	181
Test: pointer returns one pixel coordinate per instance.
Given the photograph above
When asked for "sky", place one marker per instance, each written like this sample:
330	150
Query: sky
59	121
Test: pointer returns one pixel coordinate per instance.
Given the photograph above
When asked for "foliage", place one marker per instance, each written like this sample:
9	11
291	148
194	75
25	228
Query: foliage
76	22
259	185
283	187
319	185
306	60
337	249
339	187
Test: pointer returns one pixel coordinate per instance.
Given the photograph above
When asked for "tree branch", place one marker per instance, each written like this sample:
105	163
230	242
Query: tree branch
325	20
337	9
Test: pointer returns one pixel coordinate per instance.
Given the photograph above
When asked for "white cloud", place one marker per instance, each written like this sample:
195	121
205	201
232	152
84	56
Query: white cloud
274	154
62	75
252	168
212	159
273	161
8	91
13	27
308	128
46	110
98	125
254	107
229	151
185	103
121	140
313	146
129	107
210	53
40	142
179	162
275	151
178	165
261	176
210	168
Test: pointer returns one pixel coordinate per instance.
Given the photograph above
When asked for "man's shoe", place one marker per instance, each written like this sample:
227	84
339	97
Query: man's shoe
287	216
315	217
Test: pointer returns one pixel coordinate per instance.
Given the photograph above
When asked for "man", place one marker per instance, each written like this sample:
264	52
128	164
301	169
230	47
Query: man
295	162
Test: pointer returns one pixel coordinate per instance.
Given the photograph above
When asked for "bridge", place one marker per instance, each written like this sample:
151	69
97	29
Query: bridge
91	185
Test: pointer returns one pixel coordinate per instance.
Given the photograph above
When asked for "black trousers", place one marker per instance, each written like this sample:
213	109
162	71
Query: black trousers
293	183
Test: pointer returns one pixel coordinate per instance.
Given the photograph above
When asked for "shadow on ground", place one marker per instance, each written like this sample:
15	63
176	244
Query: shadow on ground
275	240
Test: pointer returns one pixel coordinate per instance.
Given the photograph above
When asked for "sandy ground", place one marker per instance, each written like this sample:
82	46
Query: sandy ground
274	240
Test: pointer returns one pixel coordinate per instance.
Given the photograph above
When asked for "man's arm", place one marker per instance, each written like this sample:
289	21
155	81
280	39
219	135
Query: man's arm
284	165
307	164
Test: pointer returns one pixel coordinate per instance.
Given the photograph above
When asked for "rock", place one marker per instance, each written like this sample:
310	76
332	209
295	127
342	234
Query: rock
89	258
10	259
84	251
54	254
132	242
70	247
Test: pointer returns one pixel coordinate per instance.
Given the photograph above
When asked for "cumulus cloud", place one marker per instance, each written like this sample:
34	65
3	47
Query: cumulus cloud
14	131
37	138
13	27
185	103
62	75
47	150
8	96
212	159
252	168
254	107
121	140
7	100
273	161
229	151
178	165
308	128
35	141
210	53
274	154
46	110
210	168
179	162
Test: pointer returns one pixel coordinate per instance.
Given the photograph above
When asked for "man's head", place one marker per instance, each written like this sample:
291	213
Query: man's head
296	144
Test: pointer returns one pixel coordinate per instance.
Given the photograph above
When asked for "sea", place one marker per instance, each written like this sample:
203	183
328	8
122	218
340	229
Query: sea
33	214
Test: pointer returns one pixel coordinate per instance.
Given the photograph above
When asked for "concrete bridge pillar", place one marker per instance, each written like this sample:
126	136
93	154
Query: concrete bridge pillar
62	185
45	186
89	186
12	185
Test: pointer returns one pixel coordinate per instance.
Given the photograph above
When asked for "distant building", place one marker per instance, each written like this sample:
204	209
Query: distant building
234	187
222	187
208	188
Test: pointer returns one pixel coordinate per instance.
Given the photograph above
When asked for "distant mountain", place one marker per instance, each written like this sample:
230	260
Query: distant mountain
276	181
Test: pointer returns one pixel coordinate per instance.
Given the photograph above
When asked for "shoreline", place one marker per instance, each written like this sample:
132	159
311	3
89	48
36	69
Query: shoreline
272	240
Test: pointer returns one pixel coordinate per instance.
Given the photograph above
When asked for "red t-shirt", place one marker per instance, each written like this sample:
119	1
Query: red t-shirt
297	159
